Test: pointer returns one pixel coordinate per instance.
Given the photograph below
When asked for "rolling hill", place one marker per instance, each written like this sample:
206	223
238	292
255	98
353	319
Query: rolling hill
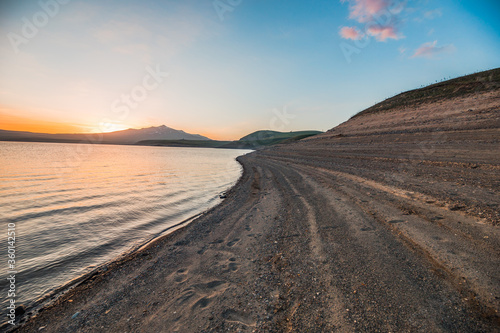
254	140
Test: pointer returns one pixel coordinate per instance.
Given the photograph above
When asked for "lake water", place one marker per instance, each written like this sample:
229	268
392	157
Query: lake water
76	206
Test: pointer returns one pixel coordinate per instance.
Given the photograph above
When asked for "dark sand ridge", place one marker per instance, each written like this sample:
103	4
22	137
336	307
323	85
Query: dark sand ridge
386	223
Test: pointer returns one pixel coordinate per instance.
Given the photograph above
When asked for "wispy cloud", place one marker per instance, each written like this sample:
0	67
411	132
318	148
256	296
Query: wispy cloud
430	50
430	15
378	17
351	33
383	33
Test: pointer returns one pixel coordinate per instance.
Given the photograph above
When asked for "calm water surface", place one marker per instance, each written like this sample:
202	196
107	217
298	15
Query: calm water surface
78	206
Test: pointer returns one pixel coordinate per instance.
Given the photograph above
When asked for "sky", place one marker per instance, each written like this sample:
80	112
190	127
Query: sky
225	68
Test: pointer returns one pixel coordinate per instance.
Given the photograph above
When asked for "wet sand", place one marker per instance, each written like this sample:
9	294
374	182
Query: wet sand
372	227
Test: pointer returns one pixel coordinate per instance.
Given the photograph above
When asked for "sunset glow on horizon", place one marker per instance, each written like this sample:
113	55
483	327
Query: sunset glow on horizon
223	72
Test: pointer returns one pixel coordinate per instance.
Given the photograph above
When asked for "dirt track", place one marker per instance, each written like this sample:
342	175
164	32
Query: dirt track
300	247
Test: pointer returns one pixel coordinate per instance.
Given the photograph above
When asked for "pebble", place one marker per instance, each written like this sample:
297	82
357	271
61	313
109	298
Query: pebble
20	310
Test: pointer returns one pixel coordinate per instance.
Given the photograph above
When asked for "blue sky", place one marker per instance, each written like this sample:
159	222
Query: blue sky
233	66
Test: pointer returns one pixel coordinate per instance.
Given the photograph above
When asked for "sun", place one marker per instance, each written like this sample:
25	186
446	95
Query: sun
106	127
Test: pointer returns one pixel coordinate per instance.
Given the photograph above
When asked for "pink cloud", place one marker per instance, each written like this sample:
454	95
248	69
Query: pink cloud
383	33
364	10
350	33
379	17
429	50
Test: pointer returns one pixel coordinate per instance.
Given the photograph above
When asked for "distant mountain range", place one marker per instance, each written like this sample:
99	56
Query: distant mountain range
161	136
129	136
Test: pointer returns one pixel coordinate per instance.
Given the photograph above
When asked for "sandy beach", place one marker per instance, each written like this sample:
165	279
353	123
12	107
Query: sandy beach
383	224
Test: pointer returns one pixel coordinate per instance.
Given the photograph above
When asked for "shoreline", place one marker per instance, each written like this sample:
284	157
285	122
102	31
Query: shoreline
51	298
47	300
128	144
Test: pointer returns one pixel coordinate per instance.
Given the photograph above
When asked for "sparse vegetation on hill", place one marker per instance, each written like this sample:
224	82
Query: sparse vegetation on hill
275	135
462	86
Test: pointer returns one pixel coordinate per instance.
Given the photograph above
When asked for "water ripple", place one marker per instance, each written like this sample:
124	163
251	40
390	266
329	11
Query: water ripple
70	219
